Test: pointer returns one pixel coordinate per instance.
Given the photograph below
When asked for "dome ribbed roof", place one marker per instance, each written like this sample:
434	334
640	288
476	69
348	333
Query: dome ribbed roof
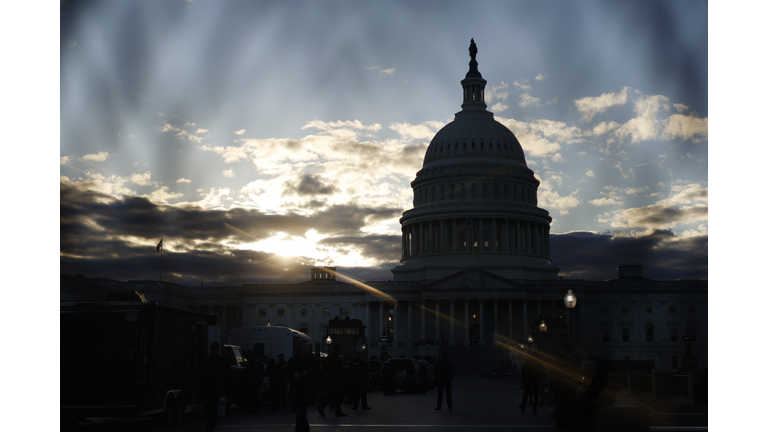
474	134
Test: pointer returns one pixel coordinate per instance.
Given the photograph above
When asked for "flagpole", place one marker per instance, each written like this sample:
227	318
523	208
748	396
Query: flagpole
161	264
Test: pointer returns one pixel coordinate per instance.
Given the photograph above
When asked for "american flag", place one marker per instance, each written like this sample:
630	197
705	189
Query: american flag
466	226
160	245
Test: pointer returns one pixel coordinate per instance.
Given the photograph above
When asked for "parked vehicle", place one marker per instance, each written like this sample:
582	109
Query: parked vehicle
405	376
431	381
130	358
236	358
374	374
268	340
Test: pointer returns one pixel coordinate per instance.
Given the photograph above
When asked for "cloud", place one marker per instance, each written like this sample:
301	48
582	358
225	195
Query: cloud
541	77
382	72
603	128
592	105
310	185
228	173
239	132
663	255
422	131
201	131
542	138
522	85
497	92
141	179
528	100
64	160
72	43
590	173
183	180
551	200
685	127
610	196
97	157
686	205
499	107
680	107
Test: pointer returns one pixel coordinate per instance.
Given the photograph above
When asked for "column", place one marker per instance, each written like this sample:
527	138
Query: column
506	235
455	230
479	235
526	324
528	247
437	319
482	327
423	322
452	341
494	236
441	247
367	322
409	341
430	238
421	243
466	322
509	314
495	318
381	319
517	235
395	339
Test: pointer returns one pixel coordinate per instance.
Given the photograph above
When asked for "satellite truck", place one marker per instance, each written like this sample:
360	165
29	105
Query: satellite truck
131	358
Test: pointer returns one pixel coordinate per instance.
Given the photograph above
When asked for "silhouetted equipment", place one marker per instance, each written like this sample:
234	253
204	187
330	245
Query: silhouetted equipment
130	358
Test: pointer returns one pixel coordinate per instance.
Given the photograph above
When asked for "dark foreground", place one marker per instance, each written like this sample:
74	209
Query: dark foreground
478	405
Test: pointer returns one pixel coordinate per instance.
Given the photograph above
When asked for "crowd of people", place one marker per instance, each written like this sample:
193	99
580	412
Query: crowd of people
335	380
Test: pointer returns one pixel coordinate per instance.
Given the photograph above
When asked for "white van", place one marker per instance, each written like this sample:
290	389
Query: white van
268	340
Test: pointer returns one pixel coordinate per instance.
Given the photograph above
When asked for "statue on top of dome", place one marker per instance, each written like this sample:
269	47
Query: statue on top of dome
472	49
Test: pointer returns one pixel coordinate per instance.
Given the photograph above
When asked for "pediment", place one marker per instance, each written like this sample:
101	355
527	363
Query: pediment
472	279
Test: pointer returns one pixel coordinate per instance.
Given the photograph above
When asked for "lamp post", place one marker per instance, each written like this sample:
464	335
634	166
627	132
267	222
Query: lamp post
329	341
365	353
542	326
570	300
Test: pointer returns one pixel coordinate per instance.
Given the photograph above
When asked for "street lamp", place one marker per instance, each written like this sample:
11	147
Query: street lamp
542	326
365	353
328	342
530	339
570	300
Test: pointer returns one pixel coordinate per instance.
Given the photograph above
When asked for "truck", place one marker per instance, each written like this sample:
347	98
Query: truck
268	340
130	358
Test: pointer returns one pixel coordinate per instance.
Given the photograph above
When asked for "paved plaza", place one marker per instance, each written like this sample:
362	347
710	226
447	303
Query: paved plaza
478	405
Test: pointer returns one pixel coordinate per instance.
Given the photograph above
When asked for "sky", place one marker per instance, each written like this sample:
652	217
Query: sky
260	138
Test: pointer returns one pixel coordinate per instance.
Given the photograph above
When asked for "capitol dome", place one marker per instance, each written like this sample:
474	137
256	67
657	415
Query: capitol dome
474	200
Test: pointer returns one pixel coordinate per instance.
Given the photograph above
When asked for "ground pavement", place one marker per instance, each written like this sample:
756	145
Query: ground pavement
478	405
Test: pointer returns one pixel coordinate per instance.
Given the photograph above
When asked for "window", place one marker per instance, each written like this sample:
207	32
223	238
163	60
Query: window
692	308
327	312
474	190
465	145
473	145
281	312
605	309
304	312
674	362
606	335
673	309
624	309
490	145
673	334
442	192
625	334
485	190
304	329
456	146
433	194
496	191
452	193
648	309
649	332
262	312
345	312
482	146
692	333
506	191
463	191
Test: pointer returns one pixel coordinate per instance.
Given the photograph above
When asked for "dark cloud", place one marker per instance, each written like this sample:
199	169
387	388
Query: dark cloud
378	247
94	231
583	255
309	185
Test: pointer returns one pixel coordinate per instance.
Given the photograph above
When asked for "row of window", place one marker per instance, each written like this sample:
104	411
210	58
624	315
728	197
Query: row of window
648	309
649	334
445	148
304	312
518	192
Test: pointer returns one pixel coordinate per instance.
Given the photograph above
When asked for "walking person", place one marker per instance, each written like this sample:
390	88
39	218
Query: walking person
359	373
216	379
303	371
334	375
281	381
444	373
532	373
